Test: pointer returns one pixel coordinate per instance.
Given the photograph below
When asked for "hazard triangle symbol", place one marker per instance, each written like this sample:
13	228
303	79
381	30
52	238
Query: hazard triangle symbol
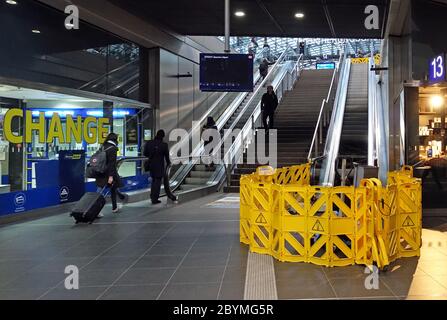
408	222
261	219
318	227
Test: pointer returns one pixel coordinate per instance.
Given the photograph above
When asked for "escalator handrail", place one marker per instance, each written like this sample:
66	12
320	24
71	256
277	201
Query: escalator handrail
334	132
323	104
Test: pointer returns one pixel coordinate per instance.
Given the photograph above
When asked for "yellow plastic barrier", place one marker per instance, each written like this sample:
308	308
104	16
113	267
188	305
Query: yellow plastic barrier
283	216
377	60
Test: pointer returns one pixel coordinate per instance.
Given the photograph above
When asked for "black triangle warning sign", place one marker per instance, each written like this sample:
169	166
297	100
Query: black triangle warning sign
261	219
318	227
408	222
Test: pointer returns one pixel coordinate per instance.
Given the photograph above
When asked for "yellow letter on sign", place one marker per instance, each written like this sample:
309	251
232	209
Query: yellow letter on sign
9	135
56	130
74	129
90	139
103	130
35	126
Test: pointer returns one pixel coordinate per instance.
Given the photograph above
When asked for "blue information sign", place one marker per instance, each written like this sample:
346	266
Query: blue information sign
325	65
437	69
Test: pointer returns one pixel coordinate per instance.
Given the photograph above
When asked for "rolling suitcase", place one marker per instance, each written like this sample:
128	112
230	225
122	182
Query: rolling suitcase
88	207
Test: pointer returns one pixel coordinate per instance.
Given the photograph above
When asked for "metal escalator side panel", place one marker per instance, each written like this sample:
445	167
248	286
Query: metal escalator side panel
334	133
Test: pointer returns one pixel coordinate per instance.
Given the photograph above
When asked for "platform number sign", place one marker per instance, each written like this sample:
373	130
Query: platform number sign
437	69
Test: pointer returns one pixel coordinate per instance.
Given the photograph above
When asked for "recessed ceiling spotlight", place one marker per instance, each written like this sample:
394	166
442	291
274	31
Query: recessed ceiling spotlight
69	25
11	2
299	15
35	31
239	14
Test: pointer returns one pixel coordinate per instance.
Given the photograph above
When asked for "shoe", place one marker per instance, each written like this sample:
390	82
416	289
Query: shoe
116	210
100	215
156	202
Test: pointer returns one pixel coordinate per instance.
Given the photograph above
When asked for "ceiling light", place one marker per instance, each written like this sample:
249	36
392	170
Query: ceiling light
11	2
69	25
239	14
35	31
299	15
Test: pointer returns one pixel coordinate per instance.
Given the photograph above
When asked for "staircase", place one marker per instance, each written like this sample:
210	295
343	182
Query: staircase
354	136
295	121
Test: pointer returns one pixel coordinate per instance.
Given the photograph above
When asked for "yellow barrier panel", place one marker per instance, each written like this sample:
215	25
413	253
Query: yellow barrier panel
282	215
377	60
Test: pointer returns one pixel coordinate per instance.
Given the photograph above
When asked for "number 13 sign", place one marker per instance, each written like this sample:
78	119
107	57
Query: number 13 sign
437	69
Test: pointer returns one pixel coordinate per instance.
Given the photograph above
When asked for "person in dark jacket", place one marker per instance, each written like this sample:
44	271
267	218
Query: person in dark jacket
111	179
210	125
264	68
157	153
269	104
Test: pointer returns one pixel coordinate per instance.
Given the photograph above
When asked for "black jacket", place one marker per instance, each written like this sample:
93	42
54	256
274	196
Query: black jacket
269	102
264	68
112	170
207	127
157	153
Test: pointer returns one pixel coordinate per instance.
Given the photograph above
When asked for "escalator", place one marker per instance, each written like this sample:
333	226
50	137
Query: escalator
354	135
188	177
357	132
200	174
243	113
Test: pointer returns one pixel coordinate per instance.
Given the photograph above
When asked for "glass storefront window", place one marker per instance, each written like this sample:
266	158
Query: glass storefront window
33	169
88	59
4	151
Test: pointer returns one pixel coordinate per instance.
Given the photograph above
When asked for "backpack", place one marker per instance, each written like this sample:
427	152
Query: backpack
98	163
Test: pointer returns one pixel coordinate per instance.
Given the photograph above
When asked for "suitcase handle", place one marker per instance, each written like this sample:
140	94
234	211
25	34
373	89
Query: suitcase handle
104	188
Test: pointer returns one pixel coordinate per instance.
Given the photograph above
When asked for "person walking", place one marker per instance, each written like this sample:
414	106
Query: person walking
264	68
157	153
111	179
269	104
210	125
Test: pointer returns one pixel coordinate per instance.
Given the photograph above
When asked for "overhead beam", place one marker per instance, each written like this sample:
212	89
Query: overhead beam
264	8
329	18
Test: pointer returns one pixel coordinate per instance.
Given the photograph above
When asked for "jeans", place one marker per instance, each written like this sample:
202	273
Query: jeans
113	193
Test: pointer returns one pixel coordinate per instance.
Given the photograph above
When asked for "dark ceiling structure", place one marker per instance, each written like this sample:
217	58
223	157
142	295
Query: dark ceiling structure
322	18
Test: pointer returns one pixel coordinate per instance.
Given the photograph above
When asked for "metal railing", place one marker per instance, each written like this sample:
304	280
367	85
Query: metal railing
325	113
327	174
377	133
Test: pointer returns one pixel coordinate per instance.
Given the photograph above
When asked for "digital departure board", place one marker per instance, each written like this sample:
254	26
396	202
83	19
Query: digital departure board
226	72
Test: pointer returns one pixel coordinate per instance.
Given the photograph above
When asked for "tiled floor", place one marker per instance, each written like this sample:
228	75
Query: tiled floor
408	278
188	251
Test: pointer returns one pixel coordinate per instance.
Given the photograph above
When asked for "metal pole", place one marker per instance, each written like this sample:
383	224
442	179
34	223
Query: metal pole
227	26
